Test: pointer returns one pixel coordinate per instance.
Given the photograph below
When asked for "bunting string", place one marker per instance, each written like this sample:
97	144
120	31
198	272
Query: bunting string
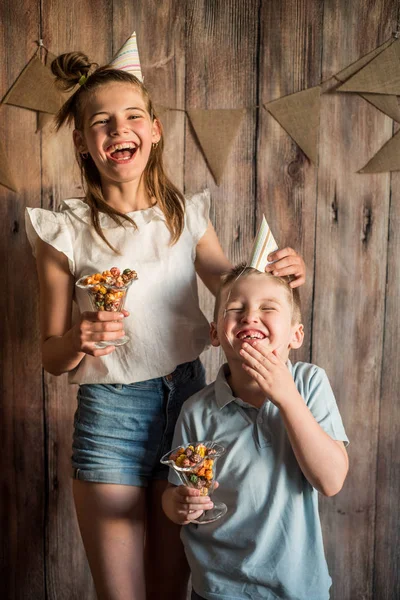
374	77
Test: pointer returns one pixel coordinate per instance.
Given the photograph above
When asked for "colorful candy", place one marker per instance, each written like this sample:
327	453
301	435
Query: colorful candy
107	290
198	460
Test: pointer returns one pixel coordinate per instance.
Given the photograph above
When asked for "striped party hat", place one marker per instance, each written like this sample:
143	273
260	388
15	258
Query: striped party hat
263	245
127	58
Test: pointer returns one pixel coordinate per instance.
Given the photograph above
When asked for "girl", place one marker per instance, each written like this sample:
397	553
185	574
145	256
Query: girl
129	396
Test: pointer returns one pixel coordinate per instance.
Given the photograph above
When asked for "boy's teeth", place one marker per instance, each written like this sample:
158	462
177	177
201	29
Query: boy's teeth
255	336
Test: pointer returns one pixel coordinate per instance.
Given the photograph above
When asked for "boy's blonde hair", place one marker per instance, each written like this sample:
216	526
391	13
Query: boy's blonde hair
70	70
243	271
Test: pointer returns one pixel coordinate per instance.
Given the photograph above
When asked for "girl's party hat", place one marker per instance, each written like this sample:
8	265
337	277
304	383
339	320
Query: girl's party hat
263	245
127	58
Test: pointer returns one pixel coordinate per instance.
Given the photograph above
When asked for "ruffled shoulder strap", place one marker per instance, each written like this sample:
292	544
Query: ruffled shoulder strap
52	228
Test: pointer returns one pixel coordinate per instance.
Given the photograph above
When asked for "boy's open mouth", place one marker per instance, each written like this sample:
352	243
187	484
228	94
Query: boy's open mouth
122	152
250	334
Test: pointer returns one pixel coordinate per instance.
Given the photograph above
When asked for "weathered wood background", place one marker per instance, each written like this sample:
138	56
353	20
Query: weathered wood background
218	54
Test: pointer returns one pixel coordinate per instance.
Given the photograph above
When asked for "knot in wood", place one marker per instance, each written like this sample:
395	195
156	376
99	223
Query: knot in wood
366	224
294	167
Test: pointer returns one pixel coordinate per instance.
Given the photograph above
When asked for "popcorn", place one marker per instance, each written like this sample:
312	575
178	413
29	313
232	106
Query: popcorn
197	458
107	290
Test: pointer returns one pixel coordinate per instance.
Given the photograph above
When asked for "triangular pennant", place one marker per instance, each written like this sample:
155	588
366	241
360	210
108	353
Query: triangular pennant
6	177
216	131
263	245
44	119
356	66
298	114
340	77
127	58
35	89
386	159
380	76
387	104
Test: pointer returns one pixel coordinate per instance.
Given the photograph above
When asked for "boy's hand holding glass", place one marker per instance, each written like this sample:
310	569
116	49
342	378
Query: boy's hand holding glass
184	504
195	466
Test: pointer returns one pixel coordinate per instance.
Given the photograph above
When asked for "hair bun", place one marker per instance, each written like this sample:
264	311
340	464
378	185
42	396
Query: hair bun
69	68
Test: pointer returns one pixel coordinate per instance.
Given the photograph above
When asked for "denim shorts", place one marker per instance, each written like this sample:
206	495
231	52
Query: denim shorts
122	431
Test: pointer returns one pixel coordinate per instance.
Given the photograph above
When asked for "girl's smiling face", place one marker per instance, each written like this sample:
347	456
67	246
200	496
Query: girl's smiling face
117	132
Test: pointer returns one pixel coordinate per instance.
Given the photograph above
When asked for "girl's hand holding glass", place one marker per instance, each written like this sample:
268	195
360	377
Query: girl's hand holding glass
107	293
96	328
287	262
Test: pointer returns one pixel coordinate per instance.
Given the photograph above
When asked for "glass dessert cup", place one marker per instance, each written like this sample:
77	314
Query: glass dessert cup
194	476
104	296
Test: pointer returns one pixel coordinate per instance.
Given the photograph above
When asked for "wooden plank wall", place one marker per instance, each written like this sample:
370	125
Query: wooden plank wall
218	54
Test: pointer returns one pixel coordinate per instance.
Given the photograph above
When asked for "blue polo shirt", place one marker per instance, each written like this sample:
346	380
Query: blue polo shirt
269	544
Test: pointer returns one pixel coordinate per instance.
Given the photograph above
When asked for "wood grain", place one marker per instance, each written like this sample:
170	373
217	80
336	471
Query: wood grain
163	66
221	58
219	54
350	277
60	180
289	61
22	436
386	584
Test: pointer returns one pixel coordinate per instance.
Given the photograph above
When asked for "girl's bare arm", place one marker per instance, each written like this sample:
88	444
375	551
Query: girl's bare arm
63	346
211	261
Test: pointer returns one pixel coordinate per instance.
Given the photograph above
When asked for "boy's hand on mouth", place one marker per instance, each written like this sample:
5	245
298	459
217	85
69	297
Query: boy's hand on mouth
266	367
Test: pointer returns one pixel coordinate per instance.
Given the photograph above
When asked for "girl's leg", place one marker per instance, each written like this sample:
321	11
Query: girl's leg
167	571
112	523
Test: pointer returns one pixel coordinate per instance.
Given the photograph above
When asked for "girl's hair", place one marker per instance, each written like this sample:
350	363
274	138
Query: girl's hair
75	68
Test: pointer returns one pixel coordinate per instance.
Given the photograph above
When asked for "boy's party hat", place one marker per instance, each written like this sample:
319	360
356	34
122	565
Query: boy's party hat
127	58
263	245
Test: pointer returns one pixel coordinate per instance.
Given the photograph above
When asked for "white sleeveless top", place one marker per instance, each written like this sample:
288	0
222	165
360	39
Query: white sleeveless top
166	326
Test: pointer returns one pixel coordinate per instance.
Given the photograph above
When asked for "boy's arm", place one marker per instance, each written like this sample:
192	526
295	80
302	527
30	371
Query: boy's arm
183	504
180	503
322	459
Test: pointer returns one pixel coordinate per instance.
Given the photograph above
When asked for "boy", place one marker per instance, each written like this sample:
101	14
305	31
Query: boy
283	436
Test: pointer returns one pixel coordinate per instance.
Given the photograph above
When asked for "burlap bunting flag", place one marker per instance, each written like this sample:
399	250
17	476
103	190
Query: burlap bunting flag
34	89
386	159
44	118
216	131
298	114
380	76
386	103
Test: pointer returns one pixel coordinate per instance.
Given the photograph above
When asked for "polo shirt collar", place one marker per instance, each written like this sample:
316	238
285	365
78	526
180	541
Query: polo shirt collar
223	392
